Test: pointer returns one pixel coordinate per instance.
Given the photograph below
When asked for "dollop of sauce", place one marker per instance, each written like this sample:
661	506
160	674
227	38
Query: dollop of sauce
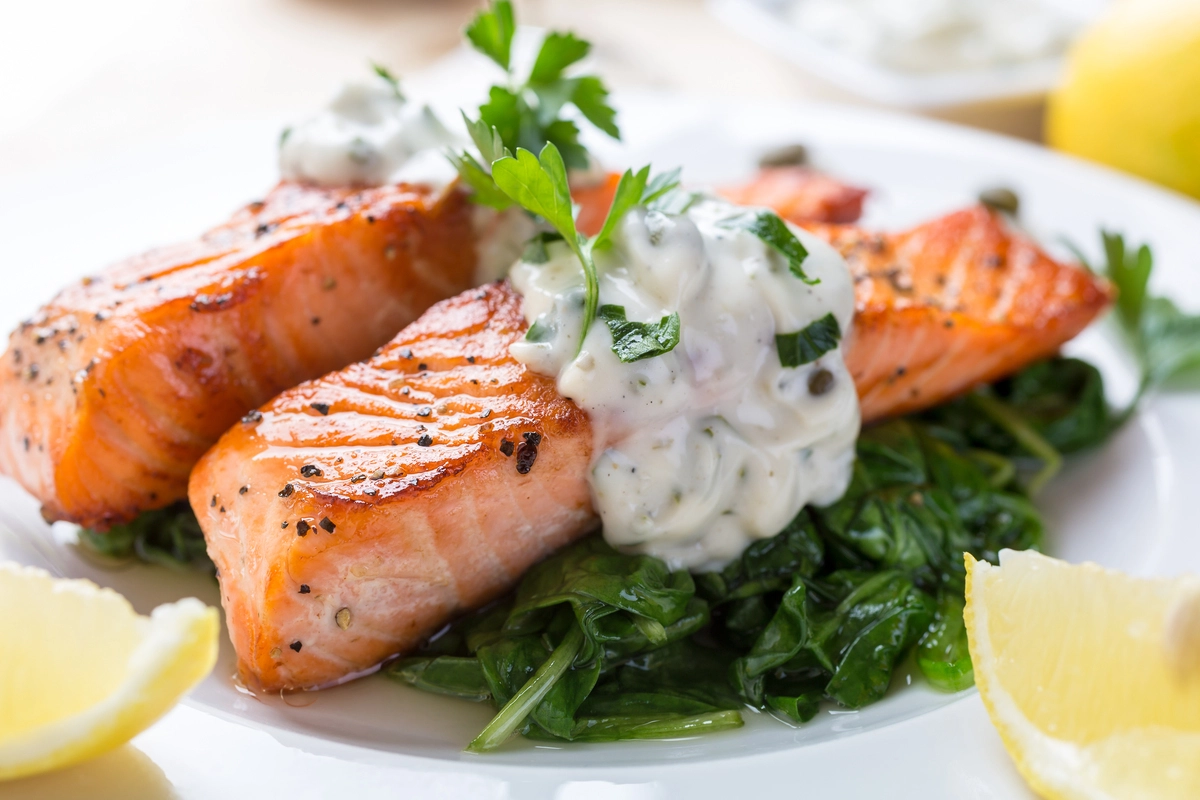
368	135
714	444
924	36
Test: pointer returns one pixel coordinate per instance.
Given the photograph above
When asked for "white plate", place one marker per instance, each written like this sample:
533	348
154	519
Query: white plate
1124	505
765	22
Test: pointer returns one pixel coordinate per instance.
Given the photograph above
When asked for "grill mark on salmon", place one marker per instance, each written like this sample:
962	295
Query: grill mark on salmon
422	529
123	380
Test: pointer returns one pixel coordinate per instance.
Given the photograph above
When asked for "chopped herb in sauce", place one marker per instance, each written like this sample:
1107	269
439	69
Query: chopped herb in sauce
807	345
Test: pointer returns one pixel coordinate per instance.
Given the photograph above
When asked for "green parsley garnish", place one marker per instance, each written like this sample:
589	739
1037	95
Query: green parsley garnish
633	341
810	343
387	75
767	225
528	113
539	185
1165	339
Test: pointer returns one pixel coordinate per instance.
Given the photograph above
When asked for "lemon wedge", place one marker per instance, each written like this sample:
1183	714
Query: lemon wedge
1130	95
81	672
1091	677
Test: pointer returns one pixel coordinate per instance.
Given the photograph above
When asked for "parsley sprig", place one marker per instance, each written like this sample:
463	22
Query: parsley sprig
539	185
528	113
1165	339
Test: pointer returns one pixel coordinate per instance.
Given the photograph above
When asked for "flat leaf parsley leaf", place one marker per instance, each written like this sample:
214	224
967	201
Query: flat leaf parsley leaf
1166	340
539	185
810	343
492	30
767	225
633	341
528	113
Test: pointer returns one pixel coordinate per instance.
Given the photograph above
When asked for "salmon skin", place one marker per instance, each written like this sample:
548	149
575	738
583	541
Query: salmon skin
364	509
367	508
114	389
952	304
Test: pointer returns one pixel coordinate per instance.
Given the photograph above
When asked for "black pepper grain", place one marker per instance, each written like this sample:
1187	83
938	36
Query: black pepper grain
327	524
311	471
304	588
425	441
533	438
359	478
422	366
283	524
406	353
296	645
243	490
424	411
213	503
322	408
302	527
253	417
287	490
526	455
506	447
470	359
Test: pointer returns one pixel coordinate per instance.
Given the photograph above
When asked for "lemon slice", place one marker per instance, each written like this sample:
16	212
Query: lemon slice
81	672
1091	677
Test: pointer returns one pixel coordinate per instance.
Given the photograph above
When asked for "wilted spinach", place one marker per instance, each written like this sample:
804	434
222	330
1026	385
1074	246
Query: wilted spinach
170	537
597	645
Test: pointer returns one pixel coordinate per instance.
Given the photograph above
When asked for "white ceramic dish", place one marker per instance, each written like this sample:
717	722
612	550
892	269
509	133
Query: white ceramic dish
763	21
1126	505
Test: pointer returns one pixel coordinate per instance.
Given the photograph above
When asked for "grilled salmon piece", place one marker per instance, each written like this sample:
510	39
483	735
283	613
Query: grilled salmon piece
114	389
366	508
799	194
954	303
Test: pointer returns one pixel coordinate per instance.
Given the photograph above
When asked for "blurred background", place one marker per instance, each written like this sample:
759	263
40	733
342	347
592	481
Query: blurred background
80	78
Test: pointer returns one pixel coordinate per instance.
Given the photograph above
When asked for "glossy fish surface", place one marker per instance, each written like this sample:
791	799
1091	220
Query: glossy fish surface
112	390
366	508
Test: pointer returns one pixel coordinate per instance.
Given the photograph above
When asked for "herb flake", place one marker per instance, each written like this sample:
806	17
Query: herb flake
633	341
810	343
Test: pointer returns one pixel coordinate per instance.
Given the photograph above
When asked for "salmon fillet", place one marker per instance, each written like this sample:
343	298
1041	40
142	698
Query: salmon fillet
798	194
954	303
114	389
367	507
340	540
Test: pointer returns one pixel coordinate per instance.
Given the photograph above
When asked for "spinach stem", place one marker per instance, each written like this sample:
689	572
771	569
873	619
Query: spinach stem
1025	435
1003	469
509	718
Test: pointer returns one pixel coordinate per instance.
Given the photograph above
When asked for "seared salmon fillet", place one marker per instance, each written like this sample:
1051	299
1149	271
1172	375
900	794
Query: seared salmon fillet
799	194
954	303
364	509
114	389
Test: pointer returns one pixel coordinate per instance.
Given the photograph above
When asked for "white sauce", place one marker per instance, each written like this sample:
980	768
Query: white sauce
715	444
368	136
942	35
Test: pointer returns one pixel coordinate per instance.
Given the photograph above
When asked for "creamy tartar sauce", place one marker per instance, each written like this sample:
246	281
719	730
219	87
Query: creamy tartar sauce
940	35
368	135
703	449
